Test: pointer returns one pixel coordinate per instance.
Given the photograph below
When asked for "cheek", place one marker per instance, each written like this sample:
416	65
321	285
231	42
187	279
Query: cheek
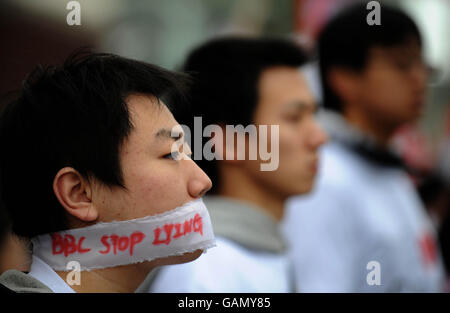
292	140
289	178
155	190
387	91
291	153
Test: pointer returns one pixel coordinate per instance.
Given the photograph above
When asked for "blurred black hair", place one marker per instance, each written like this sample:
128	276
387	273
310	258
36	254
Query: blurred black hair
347	39
72	115
226	72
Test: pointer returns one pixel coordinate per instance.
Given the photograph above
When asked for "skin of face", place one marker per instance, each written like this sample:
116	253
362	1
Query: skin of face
154	181
285	100
391	89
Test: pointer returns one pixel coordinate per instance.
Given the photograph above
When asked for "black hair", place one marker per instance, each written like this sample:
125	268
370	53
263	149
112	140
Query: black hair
347	39
226	72
72	115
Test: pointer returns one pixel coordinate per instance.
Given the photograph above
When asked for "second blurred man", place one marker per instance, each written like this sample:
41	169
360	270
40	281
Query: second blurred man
249	81
364	228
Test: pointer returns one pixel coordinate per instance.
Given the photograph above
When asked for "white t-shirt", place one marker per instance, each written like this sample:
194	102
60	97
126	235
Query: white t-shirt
227	268
46	275
361	212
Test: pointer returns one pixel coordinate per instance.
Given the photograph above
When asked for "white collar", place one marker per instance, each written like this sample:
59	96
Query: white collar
45	274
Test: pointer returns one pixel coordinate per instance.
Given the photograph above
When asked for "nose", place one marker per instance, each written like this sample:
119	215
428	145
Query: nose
317	135
199	183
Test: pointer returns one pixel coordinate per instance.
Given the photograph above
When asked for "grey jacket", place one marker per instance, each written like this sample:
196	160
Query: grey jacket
20	282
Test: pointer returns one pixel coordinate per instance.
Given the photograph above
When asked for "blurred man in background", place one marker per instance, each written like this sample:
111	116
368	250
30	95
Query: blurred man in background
364	228
249	82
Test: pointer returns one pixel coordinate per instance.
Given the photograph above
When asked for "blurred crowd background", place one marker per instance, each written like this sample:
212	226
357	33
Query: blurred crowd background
164	31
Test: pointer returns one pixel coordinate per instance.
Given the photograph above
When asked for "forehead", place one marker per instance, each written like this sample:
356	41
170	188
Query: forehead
281	85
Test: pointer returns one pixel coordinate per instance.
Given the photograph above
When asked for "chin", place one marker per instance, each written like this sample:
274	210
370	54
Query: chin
305	188
299	191
178	259
411	115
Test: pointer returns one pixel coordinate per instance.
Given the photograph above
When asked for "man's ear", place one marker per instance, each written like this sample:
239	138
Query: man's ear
75	194
224	148
344	83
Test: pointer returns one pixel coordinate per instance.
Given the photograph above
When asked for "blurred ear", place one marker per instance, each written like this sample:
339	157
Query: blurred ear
228	147
344	82
75	194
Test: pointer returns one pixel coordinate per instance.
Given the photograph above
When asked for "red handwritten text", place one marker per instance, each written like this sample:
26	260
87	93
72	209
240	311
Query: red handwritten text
181	229
121	243
67	244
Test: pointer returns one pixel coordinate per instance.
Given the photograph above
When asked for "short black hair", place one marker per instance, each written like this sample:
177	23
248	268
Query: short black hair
72	115
226	73
347	39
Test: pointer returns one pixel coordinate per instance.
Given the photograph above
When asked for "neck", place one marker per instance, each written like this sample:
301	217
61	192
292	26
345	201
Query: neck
111	280
370	125
250	190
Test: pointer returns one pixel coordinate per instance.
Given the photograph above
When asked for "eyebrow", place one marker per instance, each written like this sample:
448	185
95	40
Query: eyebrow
165	133
301	105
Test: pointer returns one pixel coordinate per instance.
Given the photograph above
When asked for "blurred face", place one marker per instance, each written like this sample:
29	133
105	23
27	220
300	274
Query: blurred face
392	86
285	100
154	181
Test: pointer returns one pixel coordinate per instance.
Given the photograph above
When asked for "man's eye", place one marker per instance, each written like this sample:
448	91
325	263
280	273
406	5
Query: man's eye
403	65
292	117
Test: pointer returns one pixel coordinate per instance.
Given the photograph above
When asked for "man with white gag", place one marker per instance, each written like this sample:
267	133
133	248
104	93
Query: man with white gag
92	178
